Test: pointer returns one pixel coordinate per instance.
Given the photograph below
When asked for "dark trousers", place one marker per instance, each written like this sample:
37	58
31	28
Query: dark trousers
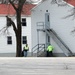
25	53
49	54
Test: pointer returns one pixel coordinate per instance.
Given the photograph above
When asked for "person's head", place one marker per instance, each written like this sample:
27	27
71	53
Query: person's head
26	44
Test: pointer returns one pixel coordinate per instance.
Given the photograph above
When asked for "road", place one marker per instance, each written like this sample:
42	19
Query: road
37	66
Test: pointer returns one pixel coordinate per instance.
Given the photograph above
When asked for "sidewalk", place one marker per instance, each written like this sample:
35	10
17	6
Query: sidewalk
37	66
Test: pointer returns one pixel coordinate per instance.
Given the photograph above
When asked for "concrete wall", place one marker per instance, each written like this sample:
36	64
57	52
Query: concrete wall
62	27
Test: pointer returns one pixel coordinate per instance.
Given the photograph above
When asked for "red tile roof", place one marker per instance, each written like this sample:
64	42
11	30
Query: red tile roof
8	9
72	2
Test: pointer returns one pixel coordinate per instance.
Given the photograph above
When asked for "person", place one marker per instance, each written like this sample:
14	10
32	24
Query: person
25	50
22	53
49	50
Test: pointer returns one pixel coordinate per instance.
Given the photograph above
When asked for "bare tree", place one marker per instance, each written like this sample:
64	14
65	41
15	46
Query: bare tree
64	3
17	29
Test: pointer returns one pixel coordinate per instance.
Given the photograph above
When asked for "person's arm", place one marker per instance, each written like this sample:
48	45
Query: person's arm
28	48
53	47
23	48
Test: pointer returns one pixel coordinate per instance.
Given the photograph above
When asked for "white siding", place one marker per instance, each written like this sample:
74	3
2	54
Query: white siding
26	31
62	27
4	47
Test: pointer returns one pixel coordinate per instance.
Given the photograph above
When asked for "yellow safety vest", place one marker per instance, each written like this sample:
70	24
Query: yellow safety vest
26	47
50	48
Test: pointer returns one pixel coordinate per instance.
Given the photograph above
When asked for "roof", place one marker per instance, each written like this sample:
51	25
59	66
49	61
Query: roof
8	9
72	2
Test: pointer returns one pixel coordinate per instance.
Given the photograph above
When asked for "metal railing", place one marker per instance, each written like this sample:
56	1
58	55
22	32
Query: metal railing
40	26
60	42
38	49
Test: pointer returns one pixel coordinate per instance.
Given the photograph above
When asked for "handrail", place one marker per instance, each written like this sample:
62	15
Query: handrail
61	41
40	25
37	48
34	49
64	45
40	47
34	46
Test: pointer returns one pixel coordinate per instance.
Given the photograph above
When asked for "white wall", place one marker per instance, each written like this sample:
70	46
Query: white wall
62	27
26	31
4	47
37	16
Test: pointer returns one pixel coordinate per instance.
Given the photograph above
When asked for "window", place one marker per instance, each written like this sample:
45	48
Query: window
48	18
9	40
46	10
24	22
24	39
48	38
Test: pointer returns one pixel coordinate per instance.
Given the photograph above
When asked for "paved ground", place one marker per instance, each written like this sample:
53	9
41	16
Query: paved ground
37	66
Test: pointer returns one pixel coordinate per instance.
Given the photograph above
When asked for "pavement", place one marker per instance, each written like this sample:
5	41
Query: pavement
37	66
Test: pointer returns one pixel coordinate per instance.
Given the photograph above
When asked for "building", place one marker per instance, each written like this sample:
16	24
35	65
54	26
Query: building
48	15
7	39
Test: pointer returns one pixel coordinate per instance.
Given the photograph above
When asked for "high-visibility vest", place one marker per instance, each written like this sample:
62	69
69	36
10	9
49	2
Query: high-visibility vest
26	47
50	48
